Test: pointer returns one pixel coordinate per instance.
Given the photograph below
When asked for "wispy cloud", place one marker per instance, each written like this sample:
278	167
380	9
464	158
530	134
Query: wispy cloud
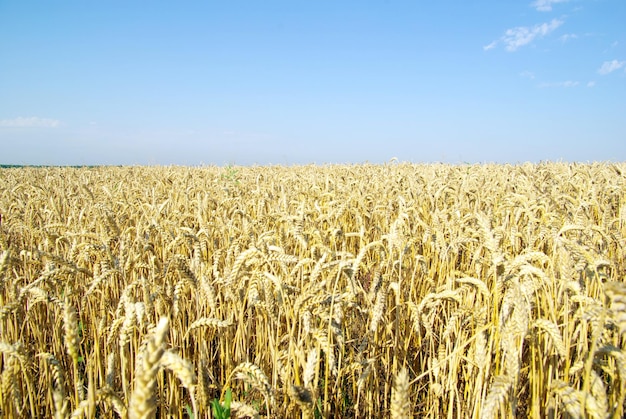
591	84
527	75
568	36
610	66
524	35
29	122
545	5
565	84
490	46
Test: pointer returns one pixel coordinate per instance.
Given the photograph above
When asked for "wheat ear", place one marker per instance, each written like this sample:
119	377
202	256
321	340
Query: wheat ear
142	403
400	401
185	373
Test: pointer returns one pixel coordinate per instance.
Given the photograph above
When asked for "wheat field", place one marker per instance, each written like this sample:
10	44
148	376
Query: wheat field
394	290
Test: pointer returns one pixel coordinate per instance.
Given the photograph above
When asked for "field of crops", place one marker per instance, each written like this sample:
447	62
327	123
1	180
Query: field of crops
393	290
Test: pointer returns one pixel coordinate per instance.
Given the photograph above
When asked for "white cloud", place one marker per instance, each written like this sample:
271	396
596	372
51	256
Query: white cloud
568	36
566	84
524	35
591	84
30	122
610	66
545	5
490	46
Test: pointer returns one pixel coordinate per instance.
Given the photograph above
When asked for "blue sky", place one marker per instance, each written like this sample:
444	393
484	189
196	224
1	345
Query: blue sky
296	82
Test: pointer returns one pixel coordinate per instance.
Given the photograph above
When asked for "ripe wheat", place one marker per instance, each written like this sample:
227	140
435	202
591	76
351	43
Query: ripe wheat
393	290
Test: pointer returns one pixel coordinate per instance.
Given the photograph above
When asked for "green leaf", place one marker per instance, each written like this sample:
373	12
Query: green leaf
228	397
222	411
189	411
216	408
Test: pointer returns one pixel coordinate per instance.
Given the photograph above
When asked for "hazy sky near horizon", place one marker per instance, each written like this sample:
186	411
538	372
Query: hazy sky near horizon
296	82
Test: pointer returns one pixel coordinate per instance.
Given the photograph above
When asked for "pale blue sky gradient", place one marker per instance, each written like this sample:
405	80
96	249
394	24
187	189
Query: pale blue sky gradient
295	82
